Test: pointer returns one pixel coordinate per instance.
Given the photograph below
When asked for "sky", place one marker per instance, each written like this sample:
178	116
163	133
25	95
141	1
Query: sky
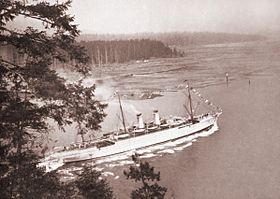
133	16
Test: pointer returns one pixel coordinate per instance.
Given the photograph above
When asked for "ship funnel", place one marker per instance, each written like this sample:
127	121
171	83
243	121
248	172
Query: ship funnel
140	121
156	118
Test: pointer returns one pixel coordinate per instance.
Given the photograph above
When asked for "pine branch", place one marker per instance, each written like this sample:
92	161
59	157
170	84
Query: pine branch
10	63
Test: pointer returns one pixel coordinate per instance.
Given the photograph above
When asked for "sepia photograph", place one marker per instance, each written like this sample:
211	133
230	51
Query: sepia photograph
140	99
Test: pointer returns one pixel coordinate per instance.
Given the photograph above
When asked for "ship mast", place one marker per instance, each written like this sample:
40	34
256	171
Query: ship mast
190	99
122	114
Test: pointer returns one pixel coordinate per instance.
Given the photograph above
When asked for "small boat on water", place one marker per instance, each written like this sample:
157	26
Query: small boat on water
135	137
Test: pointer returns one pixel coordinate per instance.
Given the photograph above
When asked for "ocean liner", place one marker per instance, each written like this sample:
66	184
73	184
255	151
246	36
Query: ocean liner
135	137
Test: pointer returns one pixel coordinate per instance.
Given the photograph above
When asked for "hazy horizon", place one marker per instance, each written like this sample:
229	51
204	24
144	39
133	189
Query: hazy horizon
168	32
163	16
144	16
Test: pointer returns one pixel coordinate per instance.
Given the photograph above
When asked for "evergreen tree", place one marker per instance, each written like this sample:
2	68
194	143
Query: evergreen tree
32	92
92	186
145	173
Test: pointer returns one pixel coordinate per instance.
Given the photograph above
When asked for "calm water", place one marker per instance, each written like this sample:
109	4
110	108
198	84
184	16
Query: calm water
242	158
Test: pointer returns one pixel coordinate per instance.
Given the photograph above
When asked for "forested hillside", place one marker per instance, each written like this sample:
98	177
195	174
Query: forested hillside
105	52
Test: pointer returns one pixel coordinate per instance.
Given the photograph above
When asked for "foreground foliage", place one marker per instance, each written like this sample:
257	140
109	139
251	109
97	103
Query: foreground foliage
92	186
31	93
144	173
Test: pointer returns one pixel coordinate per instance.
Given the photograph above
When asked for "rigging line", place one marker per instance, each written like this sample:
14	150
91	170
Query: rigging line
119	117
188	101
201	98
206	101
186	108
196	107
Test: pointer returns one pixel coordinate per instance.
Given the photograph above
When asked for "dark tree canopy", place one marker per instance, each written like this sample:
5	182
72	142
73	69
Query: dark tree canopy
32	92
92	186
144	173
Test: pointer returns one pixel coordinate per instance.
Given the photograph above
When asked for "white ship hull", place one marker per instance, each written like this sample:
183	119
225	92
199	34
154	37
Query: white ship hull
55	160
